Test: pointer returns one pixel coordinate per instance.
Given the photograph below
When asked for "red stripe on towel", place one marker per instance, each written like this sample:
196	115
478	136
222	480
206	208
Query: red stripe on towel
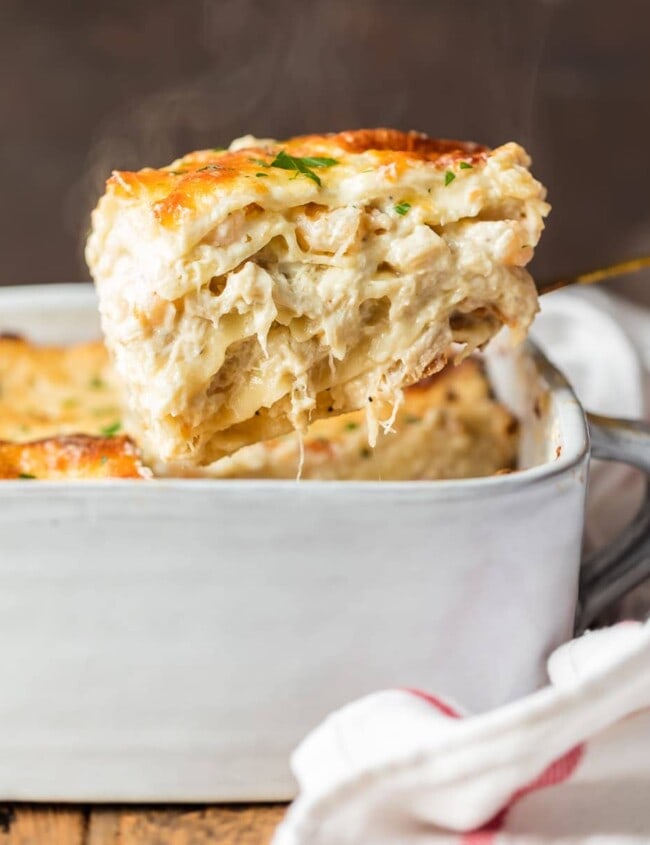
558	772
438	703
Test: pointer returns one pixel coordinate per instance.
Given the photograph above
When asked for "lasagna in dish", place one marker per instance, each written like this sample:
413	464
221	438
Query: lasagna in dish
60	416
247	292
60	419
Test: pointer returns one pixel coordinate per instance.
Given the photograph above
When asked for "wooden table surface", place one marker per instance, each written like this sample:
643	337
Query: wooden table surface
232	824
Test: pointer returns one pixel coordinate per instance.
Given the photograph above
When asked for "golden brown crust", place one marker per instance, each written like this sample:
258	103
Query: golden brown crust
414	143
183	184
58	405
74	456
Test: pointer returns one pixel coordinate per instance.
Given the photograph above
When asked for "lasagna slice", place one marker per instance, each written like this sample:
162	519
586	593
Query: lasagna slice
247	292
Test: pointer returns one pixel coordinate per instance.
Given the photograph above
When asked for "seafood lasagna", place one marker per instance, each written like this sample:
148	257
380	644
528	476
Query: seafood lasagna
250	291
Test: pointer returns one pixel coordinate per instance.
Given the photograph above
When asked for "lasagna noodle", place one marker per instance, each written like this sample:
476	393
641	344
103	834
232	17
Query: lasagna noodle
242	298
449	426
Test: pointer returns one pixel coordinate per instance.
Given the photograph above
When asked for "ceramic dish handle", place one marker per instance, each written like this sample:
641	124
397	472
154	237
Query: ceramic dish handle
622	564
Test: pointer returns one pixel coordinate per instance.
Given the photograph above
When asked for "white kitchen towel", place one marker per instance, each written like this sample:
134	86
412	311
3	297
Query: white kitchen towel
569	764
602	343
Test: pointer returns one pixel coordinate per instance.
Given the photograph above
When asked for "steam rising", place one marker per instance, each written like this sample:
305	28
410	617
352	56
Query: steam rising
282	68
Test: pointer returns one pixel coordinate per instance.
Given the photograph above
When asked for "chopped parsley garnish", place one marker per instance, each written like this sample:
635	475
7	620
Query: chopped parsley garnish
302	166
402	207
26	476
351	426
210	167
96	383
465	165
318	161
449	177
262	175
110	430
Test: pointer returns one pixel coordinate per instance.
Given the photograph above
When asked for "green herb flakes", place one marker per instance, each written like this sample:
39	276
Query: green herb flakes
25	476
352	426
110	430
465	165
96	383
449	177
302	166
402	208
262	175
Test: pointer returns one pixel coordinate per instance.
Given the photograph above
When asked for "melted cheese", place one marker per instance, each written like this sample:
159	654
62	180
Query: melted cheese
448	426
240	300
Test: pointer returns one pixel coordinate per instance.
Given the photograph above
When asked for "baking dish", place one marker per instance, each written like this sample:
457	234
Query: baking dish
172	640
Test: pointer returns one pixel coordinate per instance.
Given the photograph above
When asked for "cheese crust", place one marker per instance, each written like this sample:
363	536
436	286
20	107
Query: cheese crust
67	457
60	414
242	297
47	391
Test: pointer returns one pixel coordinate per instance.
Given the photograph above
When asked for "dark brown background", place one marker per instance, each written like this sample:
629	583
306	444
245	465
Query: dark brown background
87	86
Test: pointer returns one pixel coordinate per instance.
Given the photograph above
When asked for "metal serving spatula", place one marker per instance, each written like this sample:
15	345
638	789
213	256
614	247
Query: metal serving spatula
621	268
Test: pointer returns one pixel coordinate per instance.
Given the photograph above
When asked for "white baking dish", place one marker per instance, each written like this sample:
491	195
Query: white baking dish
172	640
